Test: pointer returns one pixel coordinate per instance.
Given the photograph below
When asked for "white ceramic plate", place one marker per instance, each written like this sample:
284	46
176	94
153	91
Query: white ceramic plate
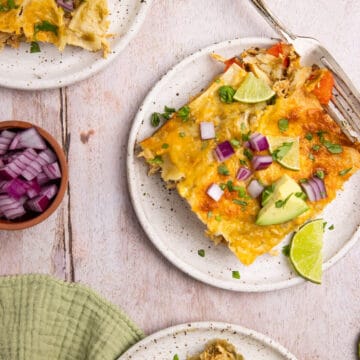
176	231
190	339
19	69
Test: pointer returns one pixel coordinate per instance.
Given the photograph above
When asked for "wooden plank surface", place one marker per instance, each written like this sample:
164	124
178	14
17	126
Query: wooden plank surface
102	239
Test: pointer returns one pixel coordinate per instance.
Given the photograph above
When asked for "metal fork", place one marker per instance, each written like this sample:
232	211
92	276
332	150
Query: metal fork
344	106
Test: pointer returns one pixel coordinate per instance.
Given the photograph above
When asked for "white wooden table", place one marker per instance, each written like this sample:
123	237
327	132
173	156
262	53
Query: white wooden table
94	238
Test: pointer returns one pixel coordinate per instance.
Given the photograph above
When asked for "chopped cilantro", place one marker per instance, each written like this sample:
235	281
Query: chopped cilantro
301	195
201	252
184	113
282	150
333	148
226	94
176	357
324	225
235	143
9	6
235	274
223	170
311	157
267	192
243	162
157	160
222	186
345	171
309	136
281	203
230	185
286	250
240	202
182	134
167	112
45	26
165	146
303	180
248	153
209	214
320	174
283	124
34	47
316	147
218	218
245	137
332	227
241	191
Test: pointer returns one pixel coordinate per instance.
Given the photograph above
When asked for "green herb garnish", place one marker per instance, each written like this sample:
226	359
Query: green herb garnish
209	214
218	218
222	186
248	153
34	47
311	157
168	111
267	192
286	250
333	148
184	113
165	146
283	124
201	252
245	137
9	6
282	150
226	94
309	136
223	170
157	160
235	274
281	203
332	227
243	162
345	171
320	174
155	119
240	202
45	26
241	191
176	357
235	143
316	147
182	134
301	195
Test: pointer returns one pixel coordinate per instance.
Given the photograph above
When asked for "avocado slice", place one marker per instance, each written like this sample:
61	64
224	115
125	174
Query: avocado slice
283	205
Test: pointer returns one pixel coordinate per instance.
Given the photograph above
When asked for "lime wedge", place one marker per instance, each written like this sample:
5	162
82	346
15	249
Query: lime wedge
292	158
305	250
253	90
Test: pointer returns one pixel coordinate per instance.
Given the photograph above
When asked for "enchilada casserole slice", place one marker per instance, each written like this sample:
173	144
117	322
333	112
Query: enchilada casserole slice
245	193
63	22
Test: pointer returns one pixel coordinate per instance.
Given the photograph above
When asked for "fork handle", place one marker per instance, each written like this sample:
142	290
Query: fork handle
273	21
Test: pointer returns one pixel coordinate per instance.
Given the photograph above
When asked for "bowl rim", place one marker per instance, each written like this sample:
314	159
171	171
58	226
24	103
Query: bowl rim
60	154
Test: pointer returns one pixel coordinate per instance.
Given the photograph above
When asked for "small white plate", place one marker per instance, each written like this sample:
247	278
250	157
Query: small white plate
190	339
19	69
176	231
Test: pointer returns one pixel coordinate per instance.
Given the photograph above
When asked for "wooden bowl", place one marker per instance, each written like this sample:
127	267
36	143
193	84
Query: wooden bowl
54	145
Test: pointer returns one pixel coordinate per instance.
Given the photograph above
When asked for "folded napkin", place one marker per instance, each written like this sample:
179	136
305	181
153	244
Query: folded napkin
43	318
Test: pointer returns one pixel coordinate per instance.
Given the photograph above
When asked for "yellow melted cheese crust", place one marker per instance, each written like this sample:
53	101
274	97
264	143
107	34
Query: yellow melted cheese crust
191	162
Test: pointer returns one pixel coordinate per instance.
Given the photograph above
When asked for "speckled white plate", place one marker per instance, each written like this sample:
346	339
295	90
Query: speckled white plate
176	231
190	339
19	69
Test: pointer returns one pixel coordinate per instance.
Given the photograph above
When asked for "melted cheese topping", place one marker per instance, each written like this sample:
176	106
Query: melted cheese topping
85	27
191	162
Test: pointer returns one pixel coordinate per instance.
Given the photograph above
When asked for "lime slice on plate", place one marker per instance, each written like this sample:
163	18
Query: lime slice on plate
292	158
253	90
305	250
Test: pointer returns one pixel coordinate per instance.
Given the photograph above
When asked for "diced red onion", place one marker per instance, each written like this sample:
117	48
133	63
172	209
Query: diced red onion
34	189
49	191
207	130
2	163
6	173
16	188
42	178
321	185
255	189
215	192
260	162
309	191
28	138
5	140
8	134
10	207
38	204
35	167
314	188
66	4
52	171
243	173
224	150
258	142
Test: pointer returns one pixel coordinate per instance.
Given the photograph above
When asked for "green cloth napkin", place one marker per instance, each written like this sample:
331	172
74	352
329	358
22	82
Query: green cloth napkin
44	318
